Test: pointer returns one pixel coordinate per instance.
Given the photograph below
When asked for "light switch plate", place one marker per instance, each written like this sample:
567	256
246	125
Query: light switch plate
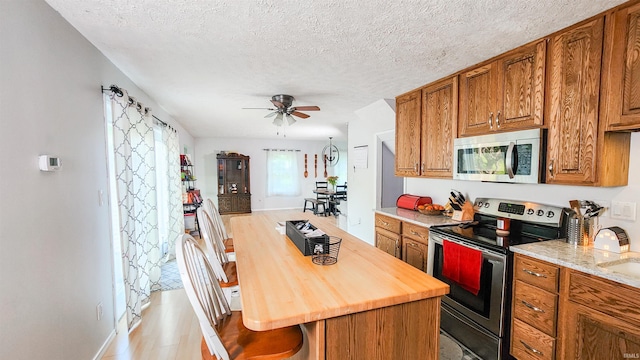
623	210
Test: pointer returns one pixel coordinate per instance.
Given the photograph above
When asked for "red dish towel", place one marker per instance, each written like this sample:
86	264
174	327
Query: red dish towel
462	265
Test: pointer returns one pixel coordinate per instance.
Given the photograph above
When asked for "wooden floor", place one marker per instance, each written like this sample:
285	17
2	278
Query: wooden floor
169	329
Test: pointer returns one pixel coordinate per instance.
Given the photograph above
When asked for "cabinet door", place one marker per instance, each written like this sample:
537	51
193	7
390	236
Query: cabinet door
408	120
521	88
574	88
622	69
589	334
439	124
478	100
224	204
414	253
388	242
244	204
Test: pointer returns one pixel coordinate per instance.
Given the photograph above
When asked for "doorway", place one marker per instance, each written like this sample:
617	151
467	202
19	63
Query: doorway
389	186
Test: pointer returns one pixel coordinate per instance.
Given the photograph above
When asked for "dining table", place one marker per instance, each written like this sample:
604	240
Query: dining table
367	305
331	208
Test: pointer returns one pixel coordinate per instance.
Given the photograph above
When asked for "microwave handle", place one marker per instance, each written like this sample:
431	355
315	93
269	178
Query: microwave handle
512	154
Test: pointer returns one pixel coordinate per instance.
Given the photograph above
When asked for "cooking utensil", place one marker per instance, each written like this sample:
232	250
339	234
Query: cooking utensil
325	166
575	206
306	173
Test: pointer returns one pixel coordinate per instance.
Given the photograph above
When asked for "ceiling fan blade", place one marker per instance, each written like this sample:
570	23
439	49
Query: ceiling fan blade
262	108
290	120
307	108
278	104
271	114
299	114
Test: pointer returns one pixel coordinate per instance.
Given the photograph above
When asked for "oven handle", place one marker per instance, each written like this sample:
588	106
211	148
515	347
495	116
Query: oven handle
438	240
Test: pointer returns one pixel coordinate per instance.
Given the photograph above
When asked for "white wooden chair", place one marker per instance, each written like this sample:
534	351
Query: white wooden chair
213	212
224	269
224	335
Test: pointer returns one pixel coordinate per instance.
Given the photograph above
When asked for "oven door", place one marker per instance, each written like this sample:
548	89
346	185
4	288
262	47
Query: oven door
513	157
487	308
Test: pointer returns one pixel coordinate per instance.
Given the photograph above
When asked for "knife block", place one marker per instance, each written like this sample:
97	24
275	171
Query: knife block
466	214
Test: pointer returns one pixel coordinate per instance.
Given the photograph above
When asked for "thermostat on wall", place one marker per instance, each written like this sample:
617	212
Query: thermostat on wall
49	163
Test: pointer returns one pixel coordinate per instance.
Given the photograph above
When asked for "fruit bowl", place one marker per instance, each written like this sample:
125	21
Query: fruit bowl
432	210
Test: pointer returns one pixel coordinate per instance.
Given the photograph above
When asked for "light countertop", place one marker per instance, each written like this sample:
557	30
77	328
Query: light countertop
417	218
581	258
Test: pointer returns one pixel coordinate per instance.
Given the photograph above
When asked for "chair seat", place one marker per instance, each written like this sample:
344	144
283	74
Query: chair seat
228	245
242	343
232	274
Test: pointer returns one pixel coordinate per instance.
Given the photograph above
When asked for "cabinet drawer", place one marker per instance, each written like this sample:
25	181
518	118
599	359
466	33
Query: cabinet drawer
388	223
536	307
415	232
605	296
529	343
537	273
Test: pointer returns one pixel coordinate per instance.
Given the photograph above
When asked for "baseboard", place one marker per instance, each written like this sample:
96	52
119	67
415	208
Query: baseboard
104	346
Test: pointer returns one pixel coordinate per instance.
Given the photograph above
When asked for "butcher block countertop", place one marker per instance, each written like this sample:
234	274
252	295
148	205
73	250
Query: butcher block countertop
281	287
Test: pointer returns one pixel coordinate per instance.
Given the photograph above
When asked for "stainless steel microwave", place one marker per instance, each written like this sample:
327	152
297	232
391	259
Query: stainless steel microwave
510	157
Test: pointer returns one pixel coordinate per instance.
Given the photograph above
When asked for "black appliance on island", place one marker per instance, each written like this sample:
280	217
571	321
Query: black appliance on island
478	318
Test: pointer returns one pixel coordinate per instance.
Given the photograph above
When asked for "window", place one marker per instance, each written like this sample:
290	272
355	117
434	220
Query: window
282	173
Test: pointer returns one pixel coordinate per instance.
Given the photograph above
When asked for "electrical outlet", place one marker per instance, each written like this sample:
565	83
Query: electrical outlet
99	311
100	197
623	210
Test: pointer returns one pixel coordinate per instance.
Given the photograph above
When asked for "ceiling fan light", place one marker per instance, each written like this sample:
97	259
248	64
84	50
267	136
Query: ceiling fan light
290	120
278	120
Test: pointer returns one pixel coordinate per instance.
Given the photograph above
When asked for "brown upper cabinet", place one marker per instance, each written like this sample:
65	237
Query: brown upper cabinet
505	94
408	119
579	151
425	128
439	123
621	70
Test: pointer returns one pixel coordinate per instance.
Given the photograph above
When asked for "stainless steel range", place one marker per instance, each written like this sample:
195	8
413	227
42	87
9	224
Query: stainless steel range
479	318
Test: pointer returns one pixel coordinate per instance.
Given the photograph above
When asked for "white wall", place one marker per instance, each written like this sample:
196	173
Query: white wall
376	118
363	131
206	150
547	194
55	255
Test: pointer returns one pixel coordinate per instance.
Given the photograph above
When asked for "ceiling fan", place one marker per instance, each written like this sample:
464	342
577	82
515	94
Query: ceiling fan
284	109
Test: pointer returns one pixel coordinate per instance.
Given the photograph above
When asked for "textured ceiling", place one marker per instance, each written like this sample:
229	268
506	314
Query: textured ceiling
203	61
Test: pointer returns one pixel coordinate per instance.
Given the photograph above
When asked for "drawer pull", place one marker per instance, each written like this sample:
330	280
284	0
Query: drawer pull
534	273
530	348
532	307
413	232
384	223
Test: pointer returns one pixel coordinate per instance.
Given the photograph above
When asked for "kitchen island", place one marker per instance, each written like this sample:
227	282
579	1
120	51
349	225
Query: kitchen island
369	305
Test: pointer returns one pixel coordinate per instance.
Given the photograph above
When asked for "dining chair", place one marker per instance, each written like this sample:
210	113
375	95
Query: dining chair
219	223
224	335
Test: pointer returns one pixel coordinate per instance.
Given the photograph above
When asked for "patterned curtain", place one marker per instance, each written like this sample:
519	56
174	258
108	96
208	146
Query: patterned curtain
173	218
135	173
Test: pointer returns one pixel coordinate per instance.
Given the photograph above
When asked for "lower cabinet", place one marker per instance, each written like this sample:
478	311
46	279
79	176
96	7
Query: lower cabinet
403	240
234	203
587	318
388	242
600	320
414	245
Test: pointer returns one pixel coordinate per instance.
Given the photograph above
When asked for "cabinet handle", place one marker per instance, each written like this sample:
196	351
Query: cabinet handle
415	167
491	120
422	168
412	244
530	348
384	223
498	119
413	232
532	307
534	273
551	168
